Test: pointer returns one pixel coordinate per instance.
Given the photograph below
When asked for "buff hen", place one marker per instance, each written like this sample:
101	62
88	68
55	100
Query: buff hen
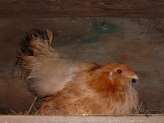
70	88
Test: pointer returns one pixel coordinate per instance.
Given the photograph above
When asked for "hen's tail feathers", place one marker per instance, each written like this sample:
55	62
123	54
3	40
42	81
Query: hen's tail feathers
36	43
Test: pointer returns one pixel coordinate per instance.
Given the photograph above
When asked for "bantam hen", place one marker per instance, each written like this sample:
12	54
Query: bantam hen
70	88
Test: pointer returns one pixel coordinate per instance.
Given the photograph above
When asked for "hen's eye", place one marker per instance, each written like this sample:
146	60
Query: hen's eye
119	71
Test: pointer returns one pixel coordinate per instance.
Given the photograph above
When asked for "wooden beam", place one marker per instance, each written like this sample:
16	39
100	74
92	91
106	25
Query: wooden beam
64	8
82	119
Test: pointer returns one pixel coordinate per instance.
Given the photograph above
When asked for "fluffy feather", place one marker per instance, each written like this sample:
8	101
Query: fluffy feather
98	91
75	88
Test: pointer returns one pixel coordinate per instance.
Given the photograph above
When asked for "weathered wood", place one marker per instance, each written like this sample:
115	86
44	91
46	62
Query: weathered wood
82	119
60	8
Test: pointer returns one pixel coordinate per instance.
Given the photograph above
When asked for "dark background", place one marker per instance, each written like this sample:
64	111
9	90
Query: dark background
132	33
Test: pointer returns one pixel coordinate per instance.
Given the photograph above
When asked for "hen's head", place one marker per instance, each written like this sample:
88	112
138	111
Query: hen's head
113	78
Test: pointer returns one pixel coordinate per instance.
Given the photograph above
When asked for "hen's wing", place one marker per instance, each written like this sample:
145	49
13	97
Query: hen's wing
43	69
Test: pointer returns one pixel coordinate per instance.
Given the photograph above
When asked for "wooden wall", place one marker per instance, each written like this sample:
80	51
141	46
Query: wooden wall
60	8
19	16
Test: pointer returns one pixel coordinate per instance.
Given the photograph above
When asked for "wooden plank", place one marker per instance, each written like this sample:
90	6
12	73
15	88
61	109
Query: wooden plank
82	119
62	8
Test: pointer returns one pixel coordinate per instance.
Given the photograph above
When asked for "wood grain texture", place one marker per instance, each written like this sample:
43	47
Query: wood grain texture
62	8
82	119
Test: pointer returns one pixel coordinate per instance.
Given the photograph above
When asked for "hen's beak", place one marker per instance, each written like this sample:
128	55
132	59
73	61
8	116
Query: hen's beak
134	78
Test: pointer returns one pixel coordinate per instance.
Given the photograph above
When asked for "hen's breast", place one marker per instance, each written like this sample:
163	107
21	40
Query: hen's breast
79	98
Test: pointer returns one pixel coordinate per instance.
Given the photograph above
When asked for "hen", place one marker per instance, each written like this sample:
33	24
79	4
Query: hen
70	88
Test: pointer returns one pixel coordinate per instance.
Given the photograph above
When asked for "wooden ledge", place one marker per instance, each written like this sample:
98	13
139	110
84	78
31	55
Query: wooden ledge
83	119
80	8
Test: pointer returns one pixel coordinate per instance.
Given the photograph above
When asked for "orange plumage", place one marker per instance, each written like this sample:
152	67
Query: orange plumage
77	88
99	91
